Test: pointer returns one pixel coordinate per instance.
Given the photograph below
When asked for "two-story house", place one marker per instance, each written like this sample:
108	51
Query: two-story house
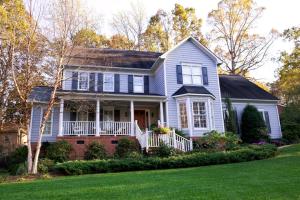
110	93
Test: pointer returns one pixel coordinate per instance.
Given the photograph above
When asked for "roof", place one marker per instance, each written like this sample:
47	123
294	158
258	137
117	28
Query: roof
189	89
238	87
40	94
94	57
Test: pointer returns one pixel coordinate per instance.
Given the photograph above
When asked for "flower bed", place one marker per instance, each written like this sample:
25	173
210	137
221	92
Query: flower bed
187	160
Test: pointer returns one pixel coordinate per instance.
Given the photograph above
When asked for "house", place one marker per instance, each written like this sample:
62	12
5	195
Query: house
107	94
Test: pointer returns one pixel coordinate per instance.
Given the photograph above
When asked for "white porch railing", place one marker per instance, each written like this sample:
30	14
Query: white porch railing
89	128
141	136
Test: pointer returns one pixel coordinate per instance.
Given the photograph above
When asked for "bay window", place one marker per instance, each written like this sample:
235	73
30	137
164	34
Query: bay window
199	114
191	74
83	81
138	84
183	115
108	82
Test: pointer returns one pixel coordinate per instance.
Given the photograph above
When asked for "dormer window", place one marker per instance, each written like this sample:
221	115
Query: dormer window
138	84
191	74
83	81
108	82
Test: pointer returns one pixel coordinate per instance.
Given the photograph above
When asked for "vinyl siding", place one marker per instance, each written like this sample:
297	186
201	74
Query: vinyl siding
67	80
36	122
124	83
157	84
189	53
273	115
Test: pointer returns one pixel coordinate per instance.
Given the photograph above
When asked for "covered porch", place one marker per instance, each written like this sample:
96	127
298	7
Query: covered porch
113	116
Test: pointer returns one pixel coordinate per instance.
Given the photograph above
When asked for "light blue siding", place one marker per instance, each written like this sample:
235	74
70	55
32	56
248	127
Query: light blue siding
67	80
36	122
273	115
157	83
124	83
189	53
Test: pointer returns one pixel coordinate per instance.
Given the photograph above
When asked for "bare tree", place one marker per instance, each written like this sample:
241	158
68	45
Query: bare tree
131	23
232	24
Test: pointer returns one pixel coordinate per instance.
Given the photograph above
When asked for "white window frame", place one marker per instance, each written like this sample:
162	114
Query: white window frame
143	84
113	82
88	81
263	114
179	116
191	65
51	119
206	115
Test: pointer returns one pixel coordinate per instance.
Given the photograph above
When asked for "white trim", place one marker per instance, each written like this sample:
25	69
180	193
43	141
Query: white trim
51	119
198	44
192	94
189	115
88	81
178	102
143	78
206	115
278	121
30	128
113	82
263	113
191	65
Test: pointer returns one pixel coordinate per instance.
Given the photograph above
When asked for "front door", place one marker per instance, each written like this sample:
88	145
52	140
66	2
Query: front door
139	115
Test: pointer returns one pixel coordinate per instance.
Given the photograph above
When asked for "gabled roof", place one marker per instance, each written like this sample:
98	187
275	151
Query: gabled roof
238	87
199	45
40	94
94	57
190	89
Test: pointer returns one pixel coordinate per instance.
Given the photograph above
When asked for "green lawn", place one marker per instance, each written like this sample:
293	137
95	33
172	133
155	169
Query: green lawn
277	178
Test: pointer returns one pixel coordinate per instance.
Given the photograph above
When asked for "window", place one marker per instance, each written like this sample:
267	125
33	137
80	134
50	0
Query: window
262	112
183	115
48	124
83	81
191	74
108	82
138	84
199	115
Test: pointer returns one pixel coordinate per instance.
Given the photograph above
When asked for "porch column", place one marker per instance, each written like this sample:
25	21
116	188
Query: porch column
132	117
98	118
61	117
161	112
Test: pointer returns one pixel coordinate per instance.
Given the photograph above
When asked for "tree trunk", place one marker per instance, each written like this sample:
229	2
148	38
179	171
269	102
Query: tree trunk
29	154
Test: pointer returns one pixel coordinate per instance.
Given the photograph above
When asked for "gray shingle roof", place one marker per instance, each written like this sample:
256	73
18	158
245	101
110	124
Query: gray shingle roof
111	58
40	94
187	89
238	87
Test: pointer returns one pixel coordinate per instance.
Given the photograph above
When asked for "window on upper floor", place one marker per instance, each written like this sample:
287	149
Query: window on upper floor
83	81
191	74
138	84
108	82
200	114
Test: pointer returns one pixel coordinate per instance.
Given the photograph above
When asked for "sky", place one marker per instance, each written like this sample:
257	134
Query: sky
279	15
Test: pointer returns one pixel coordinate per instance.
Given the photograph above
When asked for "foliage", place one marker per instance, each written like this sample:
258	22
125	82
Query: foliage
252	125
95	150
45	165
126	147
232	26
215	141
134	155
164	151
290	123
87	37
16	160
161	130
230	118
187	160
180	132
59	151
289	73
120	42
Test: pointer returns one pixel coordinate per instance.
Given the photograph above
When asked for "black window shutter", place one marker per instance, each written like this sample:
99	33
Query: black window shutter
100	82
267	121
92	82
204	75
74	80
117	82
146	84
130	83
179	74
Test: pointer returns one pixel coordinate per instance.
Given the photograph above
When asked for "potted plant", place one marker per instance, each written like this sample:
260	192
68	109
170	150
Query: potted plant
161	130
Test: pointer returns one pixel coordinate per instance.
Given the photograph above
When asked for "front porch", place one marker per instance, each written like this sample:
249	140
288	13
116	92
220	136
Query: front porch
108	117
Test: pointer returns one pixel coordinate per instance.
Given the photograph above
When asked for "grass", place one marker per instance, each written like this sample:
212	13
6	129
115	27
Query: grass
276	178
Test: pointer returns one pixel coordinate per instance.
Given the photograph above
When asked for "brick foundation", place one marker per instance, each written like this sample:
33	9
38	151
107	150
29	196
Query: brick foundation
80	143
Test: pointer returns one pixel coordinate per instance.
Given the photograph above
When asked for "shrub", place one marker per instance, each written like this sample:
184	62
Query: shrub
230	118
253	125
45	165
95	150
125	147
215	141
164	151
59	151
16	160
180	132
290	123
151	163
161	130
134	155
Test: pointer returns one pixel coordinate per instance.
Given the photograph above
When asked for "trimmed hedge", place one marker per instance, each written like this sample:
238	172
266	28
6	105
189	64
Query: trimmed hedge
186	160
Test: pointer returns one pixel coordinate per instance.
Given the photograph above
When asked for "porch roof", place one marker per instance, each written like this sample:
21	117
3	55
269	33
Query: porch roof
195	90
